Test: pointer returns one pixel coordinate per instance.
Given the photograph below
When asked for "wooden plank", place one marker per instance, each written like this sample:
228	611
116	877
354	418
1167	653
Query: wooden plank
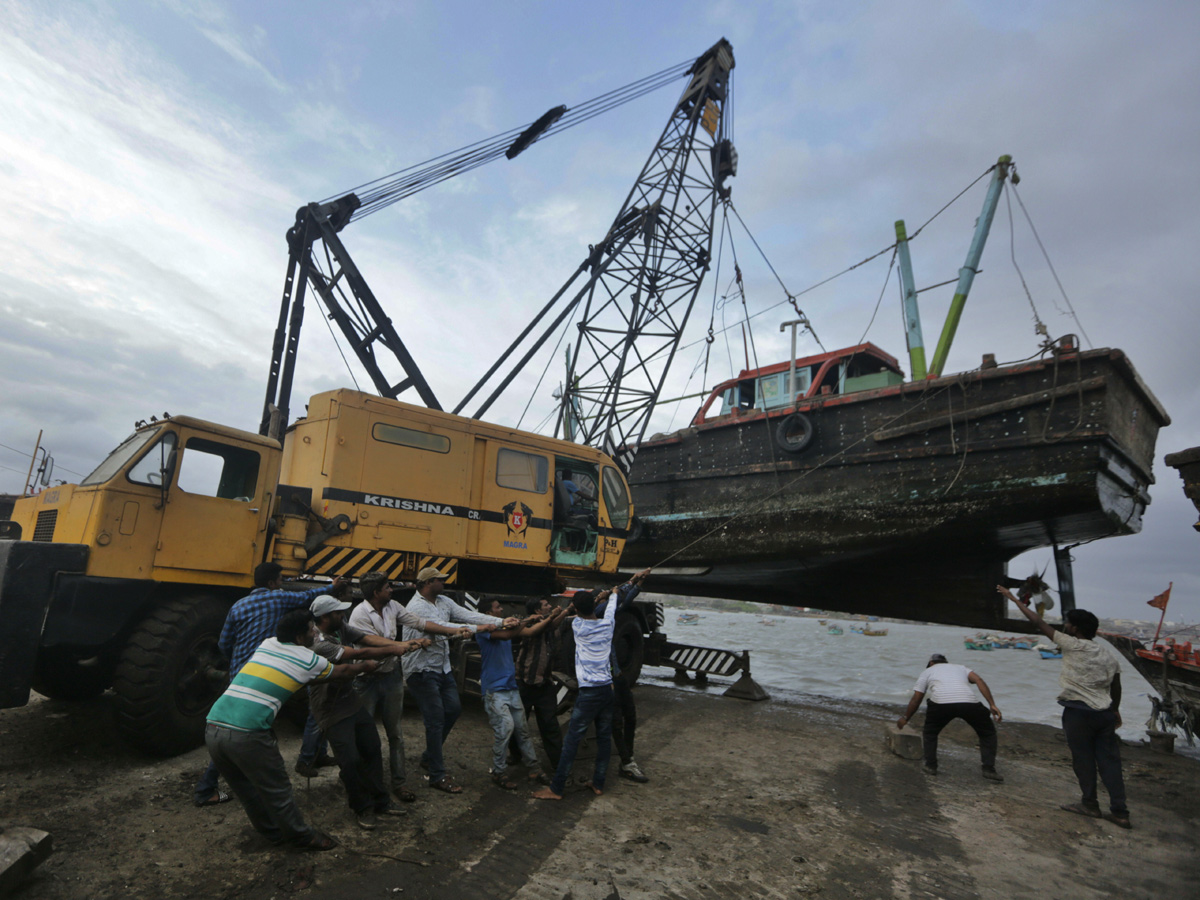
978	412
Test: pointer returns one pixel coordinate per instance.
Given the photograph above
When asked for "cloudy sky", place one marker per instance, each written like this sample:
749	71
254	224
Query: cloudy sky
153	155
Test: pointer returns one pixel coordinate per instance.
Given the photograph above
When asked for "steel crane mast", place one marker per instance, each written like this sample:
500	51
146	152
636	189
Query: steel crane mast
632	295
641	281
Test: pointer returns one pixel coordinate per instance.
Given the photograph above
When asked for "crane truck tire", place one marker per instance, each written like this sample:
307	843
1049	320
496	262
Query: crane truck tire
61	676
169	674
629	645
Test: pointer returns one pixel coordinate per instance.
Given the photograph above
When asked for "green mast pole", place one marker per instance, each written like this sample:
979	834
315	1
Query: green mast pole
966	274
912	315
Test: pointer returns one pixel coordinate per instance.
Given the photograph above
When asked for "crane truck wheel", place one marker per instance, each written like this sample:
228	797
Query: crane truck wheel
61	676
169	674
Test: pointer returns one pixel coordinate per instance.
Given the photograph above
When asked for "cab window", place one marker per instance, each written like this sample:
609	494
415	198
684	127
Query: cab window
616	498
149	469
522	471
408	437
218	470
128	450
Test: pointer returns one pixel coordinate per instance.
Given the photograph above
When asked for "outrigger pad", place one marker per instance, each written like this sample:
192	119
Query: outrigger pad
746	688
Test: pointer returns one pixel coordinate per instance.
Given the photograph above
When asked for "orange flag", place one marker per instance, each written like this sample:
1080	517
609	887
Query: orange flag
1160	602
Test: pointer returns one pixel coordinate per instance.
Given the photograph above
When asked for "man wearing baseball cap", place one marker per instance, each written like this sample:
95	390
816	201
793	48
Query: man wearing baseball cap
428	671
950	698
340	713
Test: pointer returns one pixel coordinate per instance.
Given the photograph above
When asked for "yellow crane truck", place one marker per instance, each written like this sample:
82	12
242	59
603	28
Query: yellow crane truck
124	579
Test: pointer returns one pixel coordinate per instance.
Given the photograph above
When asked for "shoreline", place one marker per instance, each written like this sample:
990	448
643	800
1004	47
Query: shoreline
782	798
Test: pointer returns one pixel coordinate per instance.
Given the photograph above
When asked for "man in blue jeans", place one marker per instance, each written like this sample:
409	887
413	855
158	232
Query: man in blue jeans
380	615
1090	695
502	698
594	703
428	671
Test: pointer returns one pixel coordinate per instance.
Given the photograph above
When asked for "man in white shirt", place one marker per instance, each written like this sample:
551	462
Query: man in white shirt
1090	695
380	615
950	698
428	671
594	702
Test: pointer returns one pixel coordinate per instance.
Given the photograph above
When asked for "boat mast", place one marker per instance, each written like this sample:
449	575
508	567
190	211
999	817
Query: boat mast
912	315
966	274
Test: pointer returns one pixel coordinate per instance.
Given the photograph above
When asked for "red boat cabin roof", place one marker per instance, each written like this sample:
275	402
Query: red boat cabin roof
858	368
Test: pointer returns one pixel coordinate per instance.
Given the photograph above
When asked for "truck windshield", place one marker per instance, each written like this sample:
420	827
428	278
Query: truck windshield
120	456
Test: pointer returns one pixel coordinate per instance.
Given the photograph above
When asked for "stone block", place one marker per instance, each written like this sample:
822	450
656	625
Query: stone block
905	744
22	849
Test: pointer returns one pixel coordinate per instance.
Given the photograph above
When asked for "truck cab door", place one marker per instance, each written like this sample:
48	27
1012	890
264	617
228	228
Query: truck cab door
575	536
218	506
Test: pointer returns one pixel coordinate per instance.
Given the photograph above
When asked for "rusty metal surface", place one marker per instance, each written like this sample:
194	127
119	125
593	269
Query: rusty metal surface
919	525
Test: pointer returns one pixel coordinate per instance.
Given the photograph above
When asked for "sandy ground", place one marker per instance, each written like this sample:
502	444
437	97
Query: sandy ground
764	800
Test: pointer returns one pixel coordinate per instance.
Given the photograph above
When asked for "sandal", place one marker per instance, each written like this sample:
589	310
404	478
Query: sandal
319	842
502	781
404	794
217	797
1119	821
446	786
1081	810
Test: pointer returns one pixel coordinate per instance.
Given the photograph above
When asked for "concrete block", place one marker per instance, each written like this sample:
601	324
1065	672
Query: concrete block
22	849
905	744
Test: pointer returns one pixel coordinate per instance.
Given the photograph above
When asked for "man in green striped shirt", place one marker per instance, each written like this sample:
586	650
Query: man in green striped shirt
239	733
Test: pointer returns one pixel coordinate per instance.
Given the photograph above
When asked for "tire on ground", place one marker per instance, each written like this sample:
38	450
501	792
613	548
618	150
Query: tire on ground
60	676
169	675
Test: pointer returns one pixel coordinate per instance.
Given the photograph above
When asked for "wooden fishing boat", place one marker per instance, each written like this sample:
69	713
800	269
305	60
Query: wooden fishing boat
688	619
831	481
835	629
875	632
971	644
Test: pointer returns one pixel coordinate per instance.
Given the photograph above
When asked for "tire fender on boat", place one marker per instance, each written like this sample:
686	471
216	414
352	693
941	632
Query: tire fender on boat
794	433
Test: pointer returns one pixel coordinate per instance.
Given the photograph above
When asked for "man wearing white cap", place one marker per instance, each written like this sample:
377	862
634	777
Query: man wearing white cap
428	671
384	690
341	716
950	698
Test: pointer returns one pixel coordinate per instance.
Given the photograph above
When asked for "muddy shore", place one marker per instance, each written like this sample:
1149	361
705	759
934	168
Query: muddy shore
779	799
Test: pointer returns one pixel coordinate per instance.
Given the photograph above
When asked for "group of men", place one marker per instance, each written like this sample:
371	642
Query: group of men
354	667
1090	697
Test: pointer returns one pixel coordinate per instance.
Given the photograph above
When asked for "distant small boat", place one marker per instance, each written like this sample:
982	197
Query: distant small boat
1048	651
875	632
688	619
1022	645
856	629
822	621
972	644
835	629
768	622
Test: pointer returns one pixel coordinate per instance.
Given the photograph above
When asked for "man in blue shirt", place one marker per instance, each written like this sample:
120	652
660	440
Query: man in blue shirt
501	697
251	621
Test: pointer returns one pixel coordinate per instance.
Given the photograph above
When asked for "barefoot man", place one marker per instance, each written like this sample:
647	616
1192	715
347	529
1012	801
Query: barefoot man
593	644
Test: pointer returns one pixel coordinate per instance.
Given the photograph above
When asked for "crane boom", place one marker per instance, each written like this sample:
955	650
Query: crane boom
643	277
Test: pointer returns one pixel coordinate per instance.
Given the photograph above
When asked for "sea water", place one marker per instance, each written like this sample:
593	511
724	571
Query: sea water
796	657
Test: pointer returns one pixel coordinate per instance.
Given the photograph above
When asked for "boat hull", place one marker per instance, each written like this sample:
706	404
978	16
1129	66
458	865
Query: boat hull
908	501
1182	678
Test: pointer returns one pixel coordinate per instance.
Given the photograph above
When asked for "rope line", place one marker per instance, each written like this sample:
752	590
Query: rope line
1046	256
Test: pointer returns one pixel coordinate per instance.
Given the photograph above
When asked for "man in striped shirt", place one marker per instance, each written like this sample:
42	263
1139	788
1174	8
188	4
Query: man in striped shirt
239	733
252	620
